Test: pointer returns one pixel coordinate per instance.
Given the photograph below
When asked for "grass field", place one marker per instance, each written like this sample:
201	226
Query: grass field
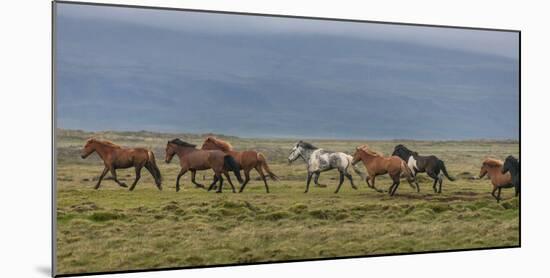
113	229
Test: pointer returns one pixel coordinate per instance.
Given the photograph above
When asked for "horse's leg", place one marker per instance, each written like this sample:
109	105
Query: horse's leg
213	184
246	179
262	175
340	182
435	185
105	170
493	193
350	178
316	180
113	173
440	183
395	186
219	176
193	174
181	173
138	175
498	194
226	174
374	187
309	174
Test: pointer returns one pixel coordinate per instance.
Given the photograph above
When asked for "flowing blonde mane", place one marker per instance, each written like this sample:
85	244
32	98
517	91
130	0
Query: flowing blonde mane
223	145
365	148
492	162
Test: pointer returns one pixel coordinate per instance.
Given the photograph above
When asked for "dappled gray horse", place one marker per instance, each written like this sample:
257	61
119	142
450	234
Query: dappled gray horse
319	160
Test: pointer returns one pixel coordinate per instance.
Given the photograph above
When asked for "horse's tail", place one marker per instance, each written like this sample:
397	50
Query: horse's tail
263	164
444	170
229	163
151	165
355	169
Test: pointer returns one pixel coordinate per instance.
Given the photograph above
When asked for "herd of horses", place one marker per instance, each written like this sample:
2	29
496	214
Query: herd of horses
221	158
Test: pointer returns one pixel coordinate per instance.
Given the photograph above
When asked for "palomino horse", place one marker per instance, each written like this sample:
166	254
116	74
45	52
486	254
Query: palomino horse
431	165
377	164
493	168
115	157
247	160
193	159
511	164
319	160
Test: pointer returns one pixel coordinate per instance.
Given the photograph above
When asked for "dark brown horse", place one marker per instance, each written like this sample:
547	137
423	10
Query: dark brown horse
431	165
493	168
511	165
193	159
377	164
115	157
247	160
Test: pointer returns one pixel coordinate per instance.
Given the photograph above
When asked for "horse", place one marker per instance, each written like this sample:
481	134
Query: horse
493	168
319	160
115	157
247	160
431	165
511	164
193	159
377	164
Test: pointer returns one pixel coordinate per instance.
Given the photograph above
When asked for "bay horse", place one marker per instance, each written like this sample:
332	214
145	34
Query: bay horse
319	160
115	157
511	164
377	164
493	169
193	159
247	160
431	165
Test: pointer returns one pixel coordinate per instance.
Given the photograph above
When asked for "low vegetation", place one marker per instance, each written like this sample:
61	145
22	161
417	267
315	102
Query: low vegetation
114	229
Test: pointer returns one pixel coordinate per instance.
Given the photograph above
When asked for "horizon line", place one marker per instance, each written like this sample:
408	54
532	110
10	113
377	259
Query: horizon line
287	137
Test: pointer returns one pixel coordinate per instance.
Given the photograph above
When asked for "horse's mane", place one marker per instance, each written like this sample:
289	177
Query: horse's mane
307	145
104	142
181	143
366	149
223	145
403	148
492	162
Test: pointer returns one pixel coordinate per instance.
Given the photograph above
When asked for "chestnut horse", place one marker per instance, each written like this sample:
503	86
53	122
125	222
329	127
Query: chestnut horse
193	159
377	164
493	169
247	160
115	157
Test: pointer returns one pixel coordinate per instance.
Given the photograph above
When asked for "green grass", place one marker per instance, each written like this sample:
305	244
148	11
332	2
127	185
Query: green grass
114	229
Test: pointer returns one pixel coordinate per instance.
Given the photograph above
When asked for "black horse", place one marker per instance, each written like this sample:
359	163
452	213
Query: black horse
430	165
511	164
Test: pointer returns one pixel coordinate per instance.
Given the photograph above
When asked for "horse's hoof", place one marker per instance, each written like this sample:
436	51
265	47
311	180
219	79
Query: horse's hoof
218	192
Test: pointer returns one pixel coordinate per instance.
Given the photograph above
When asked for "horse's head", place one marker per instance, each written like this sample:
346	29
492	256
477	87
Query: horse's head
507	166
403	152
170	152
295	152
89	148
489	166
483	171
356	156
209	144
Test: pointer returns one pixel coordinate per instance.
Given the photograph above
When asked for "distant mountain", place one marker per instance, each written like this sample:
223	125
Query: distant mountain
120	76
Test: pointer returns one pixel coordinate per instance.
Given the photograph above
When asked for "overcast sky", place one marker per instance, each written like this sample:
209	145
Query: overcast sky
299	78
